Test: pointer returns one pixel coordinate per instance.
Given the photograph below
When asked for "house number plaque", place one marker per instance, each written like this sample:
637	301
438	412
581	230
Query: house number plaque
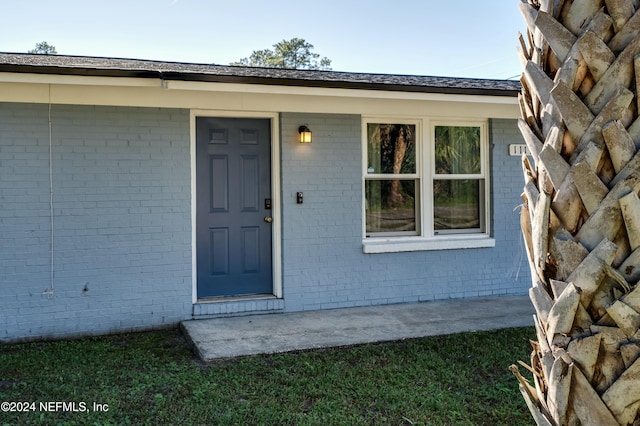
516	150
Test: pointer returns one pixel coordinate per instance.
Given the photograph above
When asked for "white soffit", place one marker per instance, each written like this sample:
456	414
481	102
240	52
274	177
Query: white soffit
249	88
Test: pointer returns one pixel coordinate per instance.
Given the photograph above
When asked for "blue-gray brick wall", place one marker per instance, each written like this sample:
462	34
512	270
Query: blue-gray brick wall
122	222
323	263
506	187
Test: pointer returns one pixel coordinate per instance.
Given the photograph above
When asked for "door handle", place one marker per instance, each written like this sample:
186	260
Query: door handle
268	219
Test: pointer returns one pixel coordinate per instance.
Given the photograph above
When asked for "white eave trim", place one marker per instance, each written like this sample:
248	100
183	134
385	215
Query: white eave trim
202	86
337	92
78	80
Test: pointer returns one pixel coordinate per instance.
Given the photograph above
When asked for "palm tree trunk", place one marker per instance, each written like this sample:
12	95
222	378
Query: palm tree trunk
581	213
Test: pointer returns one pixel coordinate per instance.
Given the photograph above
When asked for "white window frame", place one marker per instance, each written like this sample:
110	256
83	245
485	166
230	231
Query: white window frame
427	238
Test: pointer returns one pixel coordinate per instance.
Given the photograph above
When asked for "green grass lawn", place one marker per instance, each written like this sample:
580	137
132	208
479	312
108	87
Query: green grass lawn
153	378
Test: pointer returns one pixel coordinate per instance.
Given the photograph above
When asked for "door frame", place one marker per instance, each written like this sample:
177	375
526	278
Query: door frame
276	230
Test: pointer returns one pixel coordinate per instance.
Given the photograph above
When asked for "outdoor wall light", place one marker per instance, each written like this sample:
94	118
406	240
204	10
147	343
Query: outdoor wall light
305	134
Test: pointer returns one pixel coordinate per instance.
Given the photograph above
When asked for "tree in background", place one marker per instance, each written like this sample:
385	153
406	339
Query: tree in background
290	54
581	214
43	48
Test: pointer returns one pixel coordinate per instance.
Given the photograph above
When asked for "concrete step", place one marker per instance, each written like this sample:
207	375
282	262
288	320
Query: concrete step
231	337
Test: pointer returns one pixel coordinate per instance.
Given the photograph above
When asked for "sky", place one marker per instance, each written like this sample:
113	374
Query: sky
452	38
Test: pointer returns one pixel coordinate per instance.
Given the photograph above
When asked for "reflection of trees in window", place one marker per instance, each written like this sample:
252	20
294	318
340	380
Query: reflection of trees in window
392	150
457	150
456	198
384	218
457	203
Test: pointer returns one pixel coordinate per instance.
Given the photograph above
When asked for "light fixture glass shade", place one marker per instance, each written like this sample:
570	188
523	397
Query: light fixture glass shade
305	134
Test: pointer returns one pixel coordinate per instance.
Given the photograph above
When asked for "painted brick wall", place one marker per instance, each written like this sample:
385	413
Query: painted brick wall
324	266
122	223
122	244
507	185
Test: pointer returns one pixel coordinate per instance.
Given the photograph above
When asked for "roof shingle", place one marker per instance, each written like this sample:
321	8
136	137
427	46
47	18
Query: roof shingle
114	67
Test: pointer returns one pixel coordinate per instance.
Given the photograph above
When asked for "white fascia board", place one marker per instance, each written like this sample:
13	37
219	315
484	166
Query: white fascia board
337	92
250	88
8	77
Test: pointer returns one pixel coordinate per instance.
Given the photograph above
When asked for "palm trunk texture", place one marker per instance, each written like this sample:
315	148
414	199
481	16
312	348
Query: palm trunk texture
581	212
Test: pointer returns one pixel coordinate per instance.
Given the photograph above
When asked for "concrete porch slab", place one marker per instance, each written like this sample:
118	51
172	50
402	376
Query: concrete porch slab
221	338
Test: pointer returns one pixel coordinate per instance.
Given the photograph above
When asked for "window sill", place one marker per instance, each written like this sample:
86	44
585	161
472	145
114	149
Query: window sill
442	242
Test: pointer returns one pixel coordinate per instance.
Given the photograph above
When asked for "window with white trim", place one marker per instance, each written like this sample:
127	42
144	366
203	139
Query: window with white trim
425	182
392	183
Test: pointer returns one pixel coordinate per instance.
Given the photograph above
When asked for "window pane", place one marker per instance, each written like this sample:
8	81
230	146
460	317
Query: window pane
391	148
391	205
456	204
457	150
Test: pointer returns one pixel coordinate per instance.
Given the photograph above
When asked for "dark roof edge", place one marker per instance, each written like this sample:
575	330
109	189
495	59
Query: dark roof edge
76	71
266	79
344	85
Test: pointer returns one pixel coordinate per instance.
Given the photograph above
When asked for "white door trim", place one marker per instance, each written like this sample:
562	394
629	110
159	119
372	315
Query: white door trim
275	193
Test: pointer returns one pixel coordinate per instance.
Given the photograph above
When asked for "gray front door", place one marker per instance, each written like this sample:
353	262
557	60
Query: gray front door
233	206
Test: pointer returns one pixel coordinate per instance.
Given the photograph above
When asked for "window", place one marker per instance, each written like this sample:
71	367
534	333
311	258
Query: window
458	180
391	183
425	189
